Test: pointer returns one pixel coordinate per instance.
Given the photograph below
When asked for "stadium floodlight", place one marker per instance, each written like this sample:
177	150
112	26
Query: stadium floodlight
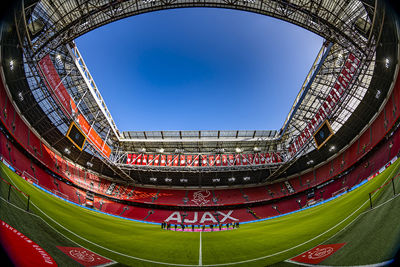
216	180
387	63
378	94
179	150
247	178
232	179
238	150
160	150
20	96
332	148
168	180
220	150
153	179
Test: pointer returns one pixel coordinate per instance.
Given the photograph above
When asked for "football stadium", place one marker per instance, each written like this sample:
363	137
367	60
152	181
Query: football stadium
322	189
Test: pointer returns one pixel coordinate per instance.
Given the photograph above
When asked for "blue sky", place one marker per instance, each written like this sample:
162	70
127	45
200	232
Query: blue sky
199	69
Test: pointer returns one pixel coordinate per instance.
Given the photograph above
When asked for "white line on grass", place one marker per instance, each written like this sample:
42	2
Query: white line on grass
359	215
219	264
200	254
66	237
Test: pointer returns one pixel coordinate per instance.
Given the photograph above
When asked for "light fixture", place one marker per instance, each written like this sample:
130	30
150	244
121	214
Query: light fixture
179	150
332	148
142	150
89	164
238	150
216	180
67	151
247	178
256	149
168	180
220	150
183	180
378	94
160	150
231	179
20	96
153	179
310	162
387	63
11	64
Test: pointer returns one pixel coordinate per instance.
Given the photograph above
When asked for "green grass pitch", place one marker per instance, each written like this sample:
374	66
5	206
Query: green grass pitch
255	244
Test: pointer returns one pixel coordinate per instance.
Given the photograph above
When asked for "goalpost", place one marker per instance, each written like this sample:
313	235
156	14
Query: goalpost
29	177
13	195
390	183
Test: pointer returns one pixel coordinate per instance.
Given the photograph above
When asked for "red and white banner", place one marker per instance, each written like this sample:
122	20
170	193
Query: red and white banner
211	160
196	161
169	160
203	160
256	159
93	136
237	160
224	160
139	159
156	160
318	254
128	158
189	161
218	160
22	251
176	160
134	159
334	97
262	158
163	160
182	161
60	93
150	160
250	158
144	159
267	158
245	161
85	257
55	85
231	160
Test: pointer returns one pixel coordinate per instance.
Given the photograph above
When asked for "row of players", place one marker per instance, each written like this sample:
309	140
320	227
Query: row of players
211	227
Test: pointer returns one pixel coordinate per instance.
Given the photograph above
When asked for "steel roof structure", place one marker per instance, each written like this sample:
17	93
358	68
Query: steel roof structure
361	28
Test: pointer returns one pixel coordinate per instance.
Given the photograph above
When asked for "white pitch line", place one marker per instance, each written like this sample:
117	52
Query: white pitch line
200	253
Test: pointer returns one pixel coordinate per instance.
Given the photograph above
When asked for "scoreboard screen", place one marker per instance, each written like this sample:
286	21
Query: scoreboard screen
76	136
323	134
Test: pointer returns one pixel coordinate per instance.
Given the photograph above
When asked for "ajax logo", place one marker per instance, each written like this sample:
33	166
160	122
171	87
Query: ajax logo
199	197
81	255
320	253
